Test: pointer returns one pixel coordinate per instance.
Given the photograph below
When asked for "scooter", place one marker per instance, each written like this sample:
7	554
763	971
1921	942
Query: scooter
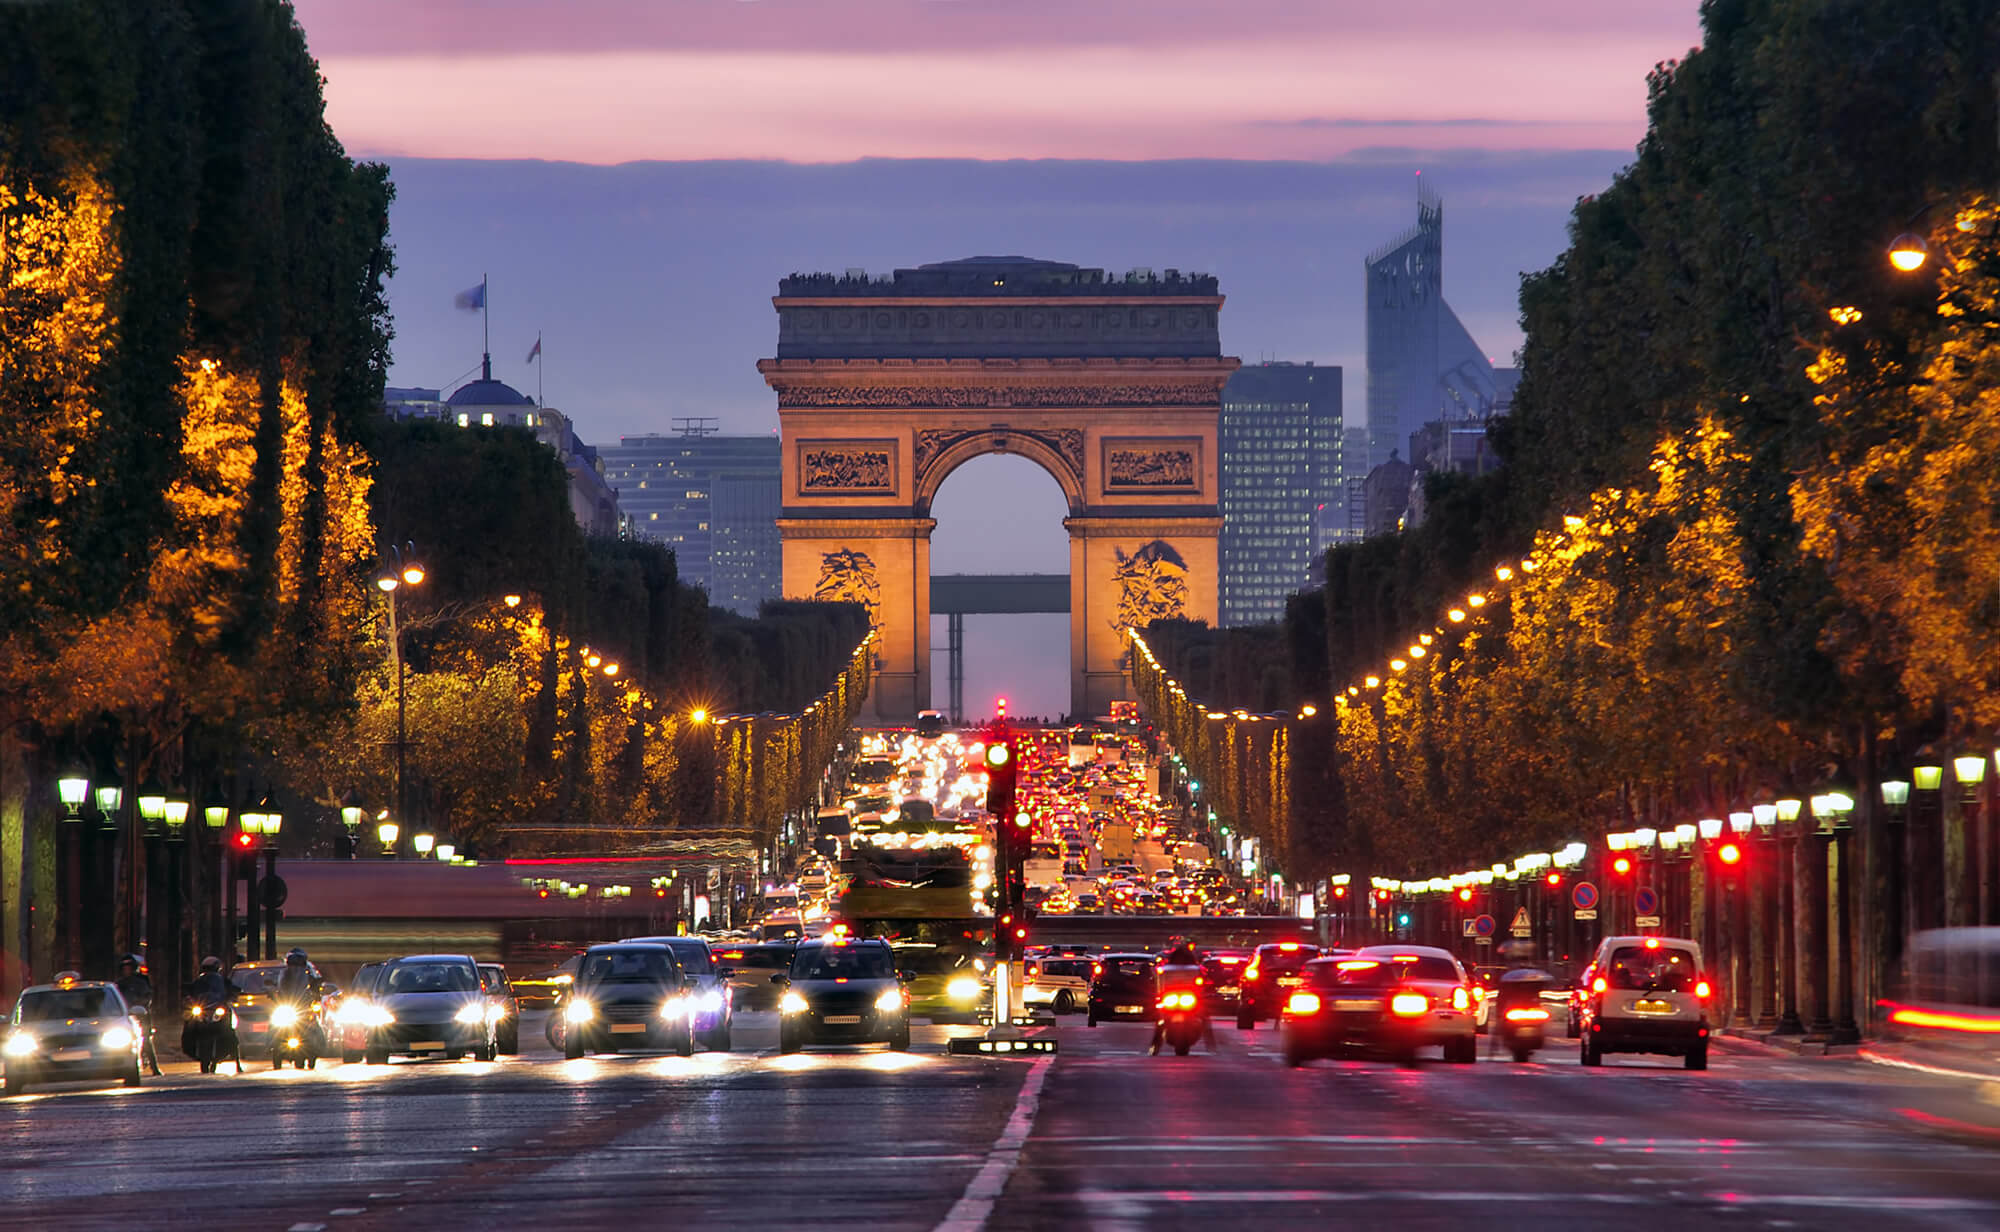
1520	1020
1181	1021
295	1035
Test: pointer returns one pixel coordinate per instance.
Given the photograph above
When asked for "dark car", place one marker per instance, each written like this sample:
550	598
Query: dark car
427	1004
1271	976
748	970
1385	999
629	995
1124	986
843	992
1222	978
714	1008
500	993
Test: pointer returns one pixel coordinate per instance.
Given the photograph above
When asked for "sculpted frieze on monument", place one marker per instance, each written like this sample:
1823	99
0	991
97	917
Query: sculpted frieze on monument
973	396
1065	443
1152	466
866	466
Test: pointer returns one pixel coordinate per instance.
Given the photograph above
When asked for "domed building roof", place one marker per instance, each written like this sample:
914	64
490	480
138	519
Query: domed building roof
485	392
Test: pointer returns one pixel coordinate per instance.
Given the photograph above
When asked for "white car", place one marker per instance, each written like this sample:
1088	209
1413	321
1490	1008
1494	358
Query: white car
1059	981
1646	994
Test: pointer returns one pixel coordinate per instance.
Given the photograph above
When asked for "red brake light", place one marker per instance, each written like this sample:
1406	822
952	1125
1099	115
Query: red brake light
1250	972
1303	1003
1459	999
1288	946
1409	1004
1701	990
1527	1015
1652	943
1597	985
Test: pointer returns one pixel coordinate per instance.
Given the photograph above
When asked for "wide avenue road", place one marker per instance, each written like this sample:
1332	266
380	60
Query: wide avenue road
1102	1136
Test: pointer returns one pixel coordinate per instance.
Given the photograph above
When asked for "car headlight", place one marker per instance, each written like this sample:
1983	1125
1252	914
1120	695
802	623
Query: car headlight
711	1002
376	1016
285	1016
579	1010
21	1044
964	988
473	1012
792	1003
674	1007
117	1039
890	1001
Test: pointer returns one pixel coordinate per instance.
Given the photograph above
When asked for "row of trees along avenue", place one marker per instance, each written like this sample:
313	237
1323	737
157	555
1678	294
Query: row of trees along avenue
197	486
1746	541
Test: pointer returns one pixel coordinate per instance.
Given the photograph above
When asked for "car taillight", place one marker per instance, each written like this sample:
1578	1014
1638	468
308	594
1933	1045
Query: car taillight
1409	1004
1459	999
1303	1003
1527	1015
1597	985
1701	990
1251	972
1033	971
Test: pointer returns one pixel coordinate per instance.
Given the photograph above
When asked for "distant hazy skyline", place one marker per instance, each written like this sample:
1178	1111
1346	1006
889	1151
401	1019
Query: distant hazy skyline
637	175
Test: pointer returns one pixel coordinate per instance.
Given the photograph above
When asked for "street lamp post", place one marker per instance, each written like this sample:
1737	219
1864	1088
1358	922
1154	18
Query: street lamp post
1736	911
1895	810
1838	830
400	569
1925	839
1970	771
1764	876
167	983
73	788
215	820
272	888
1787	810
386	831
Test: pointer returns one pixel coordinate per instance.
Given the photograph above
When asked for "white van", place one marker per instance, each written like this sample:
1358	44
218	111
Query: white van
1646	994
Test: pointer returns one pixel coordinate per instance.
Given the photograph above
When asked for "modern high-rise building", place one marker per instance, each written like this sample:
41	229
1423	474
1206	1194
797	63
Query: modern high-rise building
1423	367
1281	444
714	500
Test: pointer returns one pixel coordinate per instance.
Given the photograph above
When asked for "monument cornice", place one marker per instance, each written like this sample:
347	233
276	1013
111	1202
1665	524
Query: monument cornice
873	302
973	384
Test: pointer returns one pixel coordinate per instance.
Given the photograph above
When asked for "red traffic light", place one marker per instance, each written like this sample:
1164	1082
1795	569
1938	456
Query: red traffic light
1340	891
1555	879
1000	707
1729	853
1023	822
1622	865
1381	896
246	840
1465	895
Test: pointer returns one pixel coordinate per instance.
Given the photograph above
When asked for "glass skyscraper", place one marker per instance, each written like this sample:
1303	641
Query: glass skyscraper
1282	496
714	500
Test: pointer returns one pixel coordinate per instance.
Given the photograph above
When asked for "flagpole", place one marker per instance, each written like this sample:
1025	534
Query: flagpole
486	323
541	362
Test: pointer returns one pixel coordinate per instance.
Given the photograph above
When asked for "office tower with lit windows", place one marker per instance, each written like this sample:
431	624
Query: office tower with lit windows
713	499
1282	497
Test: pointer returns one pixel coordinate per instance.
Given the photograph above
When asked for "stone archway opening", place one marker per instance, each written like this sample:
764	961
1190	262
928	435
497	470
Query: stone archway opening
999	544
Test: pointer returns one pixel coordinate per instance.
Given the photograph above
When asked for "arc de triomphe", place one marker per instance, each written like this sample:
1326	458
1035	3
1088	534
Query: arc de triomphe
1112	385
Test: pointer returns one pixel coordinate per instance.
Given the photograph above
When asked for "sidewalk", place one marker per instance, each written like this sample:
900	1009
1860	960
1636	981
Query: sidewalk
1764	1037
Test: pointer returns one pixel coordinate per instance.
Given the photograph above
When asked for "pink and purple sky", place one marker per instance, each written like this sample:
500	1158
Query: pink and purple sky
637	175
608	81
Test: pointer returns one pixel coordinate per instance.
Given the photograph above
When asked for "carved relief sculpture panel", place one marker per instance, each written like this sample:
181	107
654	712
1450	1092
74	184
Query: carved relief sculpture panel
1139	465
847	468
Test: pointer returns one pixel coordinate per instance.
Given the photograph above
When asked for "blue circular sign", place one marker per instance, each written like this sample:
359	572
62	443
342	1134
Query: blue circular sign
1584	896
1484	926
1646	901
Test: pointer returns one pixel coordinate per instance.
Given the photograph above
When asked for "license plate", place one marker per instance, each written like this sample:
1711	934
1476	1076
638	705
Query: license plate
1290	981
628	1028
1229	990
427	1046
1652	1007
1354	1005
1129	1009
842	1020
70	1054
260	1027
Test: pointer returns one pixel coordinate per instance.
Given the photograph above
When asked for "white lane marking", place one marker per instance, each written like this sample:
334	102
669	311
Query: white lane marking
970	1212
1130	1203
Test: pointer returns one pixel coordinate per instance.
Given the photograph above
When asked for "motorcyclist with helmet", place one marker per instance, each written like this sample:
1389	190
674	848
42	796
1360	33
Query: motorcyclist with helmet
1180	972
137	990
299	988
208	993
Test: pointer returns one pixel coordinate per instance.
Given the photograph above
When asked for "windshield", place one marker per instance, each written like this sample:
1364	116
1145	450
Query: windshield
62	1003
627	967
693	955
842	963
766	957
1271	958
1384	972
1663	970
430	977
1127	969
1067	966
256	979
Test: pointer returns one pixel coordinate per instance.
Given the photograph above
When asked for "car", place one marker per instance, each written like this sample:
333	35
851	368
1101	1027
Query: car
1648	994
944	985
748	970
1123	986
1270	978
543	989
1393	999
1222	975
629	995
256	985
71	1031
715	1013
350	1016
500	994
426	1005
843	992
1059	981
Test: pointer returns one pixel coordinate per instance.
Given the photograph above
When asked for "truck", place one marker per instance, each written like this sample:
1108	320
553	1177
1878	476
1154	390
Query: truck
1114	841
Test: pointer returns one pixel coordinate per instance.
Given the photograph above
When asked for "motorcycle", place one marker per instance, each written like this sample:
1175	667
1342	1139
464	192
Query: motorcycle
1181	1021
1520	1020
208	1034
295	1035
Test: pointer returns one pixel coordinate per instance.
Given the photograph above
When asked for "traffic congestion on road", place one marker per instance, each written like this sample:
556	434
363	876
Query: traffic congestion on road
1292	1080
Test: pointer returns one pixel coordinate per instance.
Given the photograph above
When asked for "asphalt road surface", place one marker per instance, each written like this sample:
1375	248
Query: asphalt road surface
1103	1136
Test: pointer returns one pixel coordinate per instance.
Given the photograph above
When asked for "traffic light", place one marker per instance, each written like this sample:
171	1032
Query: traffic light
1729	854
1465	894
1001	772
1005	928
1555	879
1622	865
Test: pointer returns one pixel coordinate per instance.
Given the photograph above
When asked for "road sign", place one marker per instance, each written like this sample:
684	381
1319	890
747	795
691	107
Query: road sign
1646	900
1469	928
271	892
1647	921
1584	895
1586	913
1521	927
1484	926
